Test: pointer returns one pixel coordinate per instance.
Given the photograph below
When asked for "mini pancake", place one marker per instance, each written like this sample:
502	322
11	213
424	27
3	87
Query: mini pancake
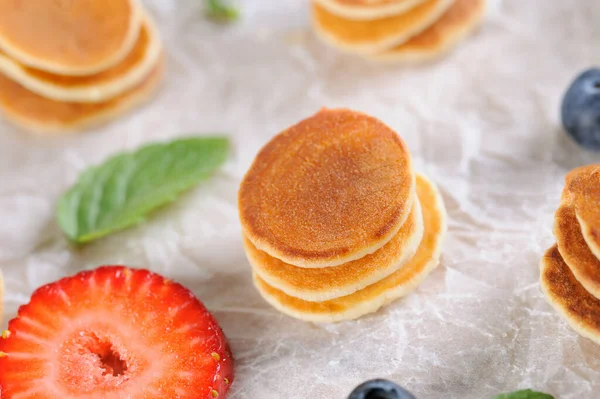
322	284
395	286
458	22
39	114
569	297
331	189
367	9
583	188
575	251
93	88
69	37
377	35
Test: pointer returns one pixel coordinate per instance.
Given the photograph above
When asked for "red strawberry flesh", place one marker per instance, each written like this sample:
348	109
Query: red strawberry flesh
114	333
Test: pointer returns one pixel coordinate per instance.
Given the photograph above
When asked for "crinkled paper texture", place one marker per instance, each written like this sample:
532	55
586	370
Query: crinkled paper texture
483	123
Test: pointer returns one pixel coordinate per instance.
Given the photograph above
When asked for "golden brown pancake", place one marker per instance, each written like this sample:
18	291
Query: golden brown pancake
34	112
395	286
367	9
575	251
99	87
460	20
568	297
326	283
69	37
377	35
583	188
329	190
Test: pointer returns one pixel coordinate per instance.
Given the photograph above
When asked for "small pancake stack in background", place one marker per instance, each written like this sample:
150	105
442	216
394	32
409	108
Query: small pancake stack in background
401	31
570	270
336	223
71	64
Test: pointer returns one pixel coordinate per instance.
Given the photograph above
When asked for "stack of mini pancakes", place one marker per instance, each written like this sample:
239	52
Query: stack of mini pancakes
336	224
70	64
570	270
396	30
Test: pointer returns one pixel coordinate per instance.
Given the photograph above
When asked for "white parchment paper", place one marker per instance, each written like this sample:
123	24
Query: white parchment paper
483	123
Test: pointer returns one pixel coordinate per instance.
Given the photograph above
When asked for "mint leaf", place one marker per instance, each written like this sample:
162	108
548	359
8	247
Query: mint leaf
526	394
124	189
220	11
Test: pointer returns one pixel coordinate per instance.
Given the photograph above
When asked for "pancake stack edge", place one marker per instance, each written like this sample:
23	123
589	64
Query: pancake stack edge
570	270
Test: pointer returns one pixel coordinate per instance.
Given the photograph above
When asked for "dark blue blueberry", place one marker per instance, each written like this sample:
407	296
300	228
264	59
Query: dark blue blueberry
380	389
581	109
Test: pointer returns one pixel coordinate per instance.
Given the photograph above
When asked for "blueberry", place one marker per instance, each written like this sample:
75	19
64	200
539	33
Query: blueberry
581	109
380	389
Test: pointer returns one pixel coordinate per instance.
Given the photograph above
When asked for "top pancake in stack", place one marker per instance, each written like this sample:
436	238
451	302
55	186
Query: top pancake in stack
571	270
76	62
331	189
72	37
396	30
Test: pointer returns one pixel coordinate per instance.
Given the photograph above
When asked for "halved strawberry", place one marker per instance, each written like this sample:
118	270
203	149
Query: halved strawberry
114	333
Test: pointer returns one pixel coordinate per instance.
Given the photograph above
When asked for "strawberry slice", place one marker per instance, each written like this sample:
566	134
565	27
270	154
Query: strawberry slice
114	333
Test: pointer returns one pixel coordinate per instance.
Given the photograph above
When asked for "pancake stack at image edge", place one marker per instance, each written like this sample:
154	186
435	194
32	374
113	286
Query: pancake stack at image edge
396	31
336	223
76	64
570	270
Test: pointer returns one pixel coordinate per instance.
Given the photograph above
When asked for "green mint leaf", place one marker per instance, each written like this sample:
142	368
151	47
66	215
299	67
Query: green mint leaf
120	192
526	394
219	10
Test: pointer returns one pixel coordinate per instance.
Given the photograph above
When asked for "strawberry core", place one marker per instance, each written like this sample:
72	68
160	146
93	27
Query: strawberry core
94	360
110	360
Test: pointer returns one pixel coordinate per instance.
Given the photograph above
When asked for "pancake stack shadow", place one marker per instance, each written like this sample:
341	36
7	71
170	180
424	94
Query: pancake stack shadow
336	223
396	31
72	65
570	270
